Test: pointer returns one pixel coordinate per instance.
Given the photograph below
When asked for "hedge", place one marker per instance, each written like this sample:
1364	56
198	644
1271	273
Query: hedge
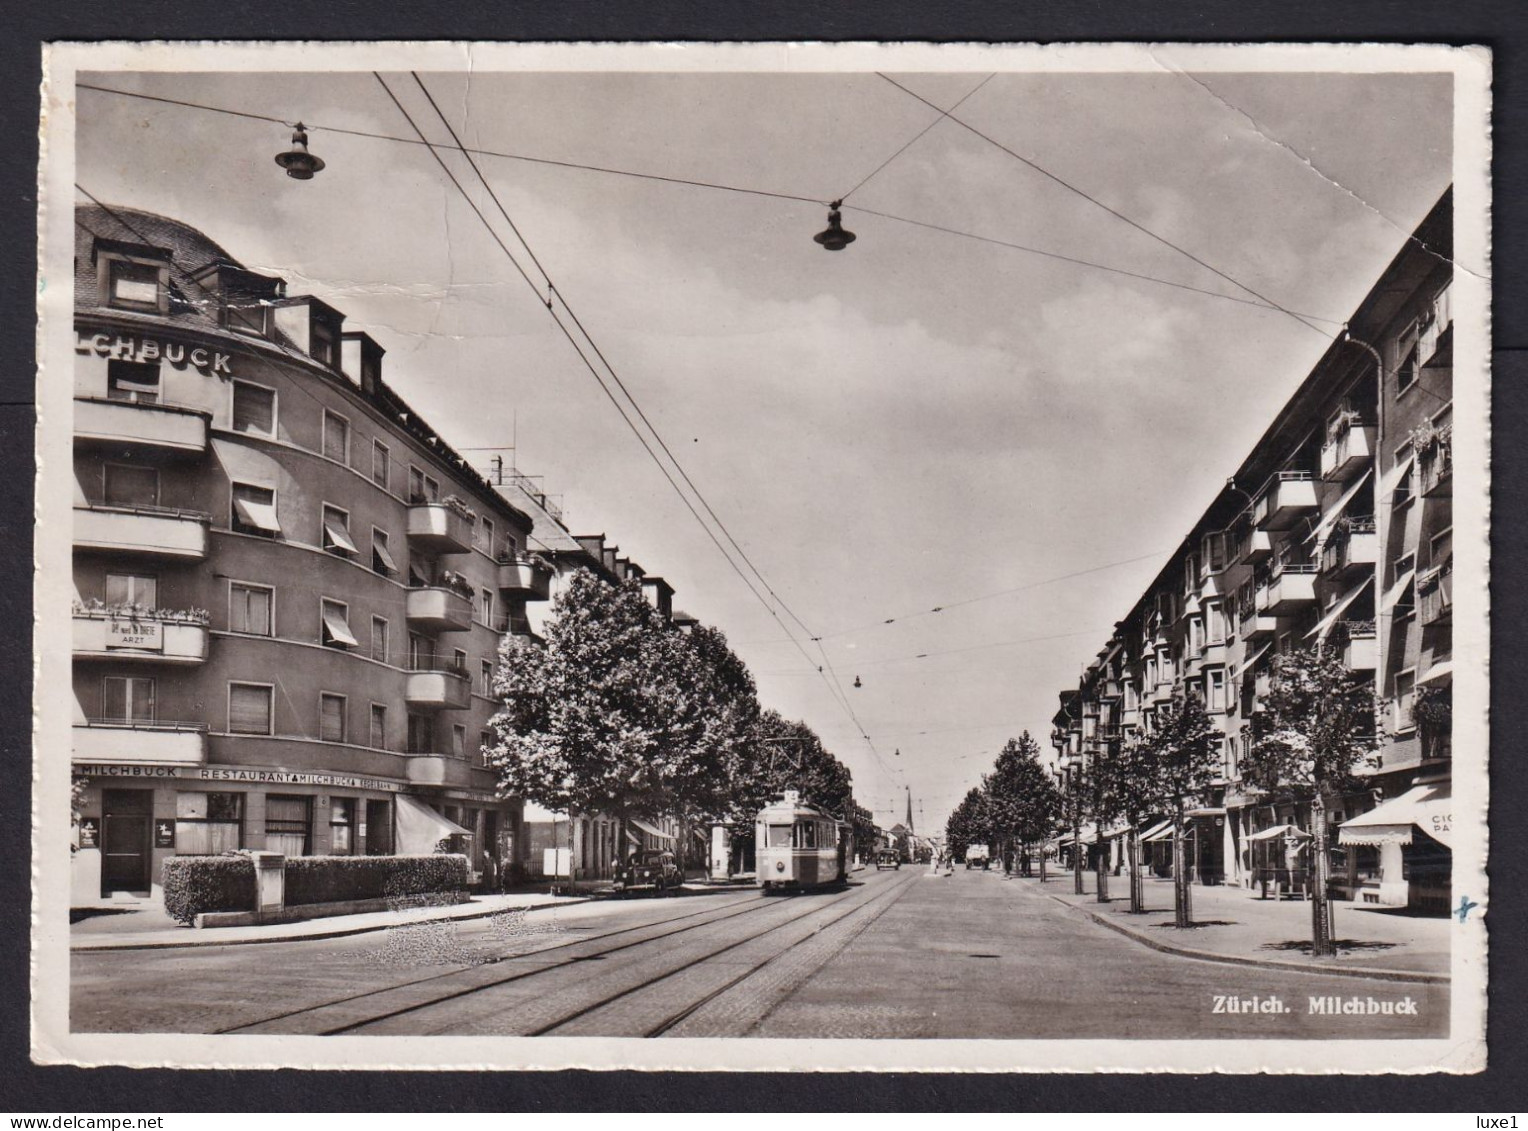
328	879
194	884
197	884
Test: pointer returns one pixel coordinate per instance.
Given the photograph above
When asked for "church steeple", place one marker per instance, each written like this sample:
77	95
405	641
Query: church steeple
909	821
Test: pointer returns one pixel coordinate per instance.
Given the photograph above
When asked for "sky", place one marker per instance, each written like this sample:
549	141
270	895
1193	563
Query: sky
922	420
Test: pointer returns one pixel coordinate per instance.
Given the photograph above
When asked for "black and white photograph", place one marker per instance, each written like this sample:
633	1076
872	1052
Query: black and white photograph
773	556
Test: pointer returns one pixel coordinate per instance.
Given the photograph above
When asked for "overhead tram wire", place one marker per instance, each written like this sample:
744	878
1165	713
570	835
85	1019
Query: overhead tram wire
716	186
943	114
552	293
1111	211
611	396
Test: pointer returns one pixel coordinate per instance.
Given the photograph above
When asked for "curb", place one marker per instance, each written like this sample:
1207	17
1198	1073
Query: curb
1242	960
335	933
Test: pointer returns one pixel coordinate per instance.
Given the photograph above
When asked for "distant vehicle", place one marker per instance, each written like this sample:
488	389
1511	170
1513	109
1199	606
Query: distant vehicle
654	871
797	846
886	858
976	856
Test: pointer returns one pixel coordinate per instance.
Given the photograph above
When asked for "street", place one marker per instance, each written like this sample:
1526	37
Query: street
895	954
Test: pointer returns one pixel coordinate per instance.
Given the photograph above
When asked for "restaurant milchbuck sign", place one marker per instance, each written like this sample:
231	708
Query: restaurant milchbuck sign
251	776
139	347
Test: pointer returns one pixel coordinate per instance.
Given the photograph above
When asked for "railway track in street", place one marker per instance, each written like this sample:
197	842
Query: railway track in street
466	991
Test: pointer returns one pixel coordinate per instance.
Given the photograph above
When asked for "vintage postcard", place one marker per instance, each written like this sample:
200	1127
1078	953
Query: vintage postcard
772	556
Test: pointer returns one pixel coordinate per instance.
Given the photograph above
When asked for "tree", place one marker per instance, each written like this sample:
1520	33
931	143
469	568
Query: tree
1182	757
967	824
1316	727
1128	788
603	717
1021	800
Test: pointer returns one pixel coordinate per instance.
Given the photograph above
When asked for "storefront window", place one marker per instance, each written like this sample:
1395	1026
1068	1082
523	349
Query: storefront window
287	820
207	824
342	826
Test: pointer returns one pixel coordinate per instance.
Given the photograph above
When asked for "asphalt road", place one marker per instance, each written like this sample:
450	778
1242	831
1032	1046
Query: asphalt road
895	954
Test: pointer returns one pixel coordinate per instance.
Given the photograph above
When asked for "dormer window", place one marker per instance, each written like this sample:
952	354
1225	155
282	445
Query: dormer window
133	276
323	348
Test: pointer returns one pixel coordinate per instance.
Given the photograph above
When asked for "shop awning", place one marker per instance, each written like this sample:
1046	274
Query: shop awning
1117	831
1085	834
1396	591
1427	807
1207	811
1164	831
1326	622
1331	516
1442	671
1279	832
649	830
420	828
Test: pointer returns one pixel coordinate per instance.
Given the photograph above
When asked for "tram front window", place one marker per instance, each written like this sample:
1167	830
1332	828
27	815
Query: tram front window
779	836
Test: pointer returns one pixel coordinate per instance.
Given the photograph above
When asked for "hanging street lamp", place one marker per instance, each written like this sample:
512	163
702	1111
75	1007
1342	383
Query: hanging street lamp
297	161
835	237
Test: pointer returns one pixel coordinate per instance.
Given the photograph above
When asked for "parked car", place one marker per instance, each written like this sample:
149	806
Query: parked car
976	856
648	871
887	859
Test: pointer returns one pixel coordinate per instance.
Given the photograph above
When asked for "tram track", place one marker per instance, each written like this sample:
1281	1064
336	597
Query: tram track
749	903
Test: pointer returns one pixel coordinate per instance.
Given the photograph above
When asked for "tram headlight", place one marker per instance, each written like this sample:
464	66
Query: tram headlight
779	865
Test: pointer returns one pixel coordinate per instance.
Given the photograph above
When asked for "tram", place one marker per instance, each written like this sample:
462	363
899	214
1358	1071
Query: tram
797	846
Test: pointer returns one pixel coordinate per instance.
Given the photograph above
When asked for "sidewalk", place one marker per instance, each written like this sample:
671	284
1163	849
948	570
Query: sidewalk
146	925
1233	925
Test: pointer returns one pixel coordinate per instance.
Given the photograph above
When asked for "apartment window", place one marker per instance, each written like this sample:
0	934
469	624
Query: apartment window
487	677
381	559
1196	634
1405	695
419	652
1404	600
336	437
511	546
420	738
485	744
379	463
133	285
249	608
1215	689
378	734
129	699
485	530
419	572
458	741
422	488
459	661
249	708
207	824
254	409
136	381
379	639
337	531
254	510
485	606
132	589
127	486
1233	762
1215	622
331	718
336	626
341	826
287	821
1406	372
1440	547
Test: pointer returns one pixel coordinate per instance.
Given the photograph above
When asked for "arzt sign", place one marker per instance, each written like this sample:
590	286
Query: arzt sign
135	347
140	635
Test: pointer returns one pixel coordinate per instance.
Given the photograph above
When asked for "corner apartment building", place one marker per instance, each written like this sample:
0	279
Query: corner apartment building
290	591
1336	529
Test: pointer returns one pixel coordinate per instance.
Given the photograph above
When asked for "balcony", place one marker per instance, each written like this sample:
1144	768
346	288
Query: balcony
1291	589
1256	626
134	425
522	577
160	639
1352	549
440	528
1348	452
443	770
119	741
438	609
1360	649
1291	495
1256	547
438	685
154	531
1435	596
